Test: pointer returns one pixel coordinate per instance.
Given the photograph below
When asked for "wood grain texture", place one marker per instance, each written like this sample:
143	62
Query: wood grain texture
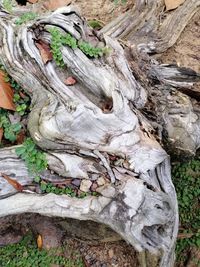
71	125
149	27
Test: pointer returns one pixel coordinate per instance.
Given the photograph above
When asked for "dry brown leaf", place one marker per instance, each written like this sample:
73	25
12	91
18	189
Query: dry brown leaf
13	182
39	242
1	134
54	4
22	94
6	93
70	81
45	51
172	4
21	137
32	1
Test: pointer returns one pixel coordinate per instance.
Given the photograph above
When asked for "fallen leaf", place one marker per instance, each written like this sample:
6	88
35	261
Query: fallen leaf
70	81
54	4
12	182
32	1
22	94
21	137
39	242
1	134
172	4
6	93
45	51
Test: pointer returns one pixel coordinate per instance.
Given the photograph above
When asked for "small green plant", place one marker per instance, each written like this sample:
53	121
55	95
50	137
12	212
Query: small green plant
8	5
89	50
58	40
56	43
21	109
25	18
33	157
69	40
10	130
21	104
26	254
48	187
36	163
186	178
95	24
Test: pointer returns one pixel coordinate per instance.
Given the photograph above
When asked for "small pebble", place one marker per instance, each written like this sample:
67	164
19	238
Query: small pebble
85	185
94	177
76	182
101	181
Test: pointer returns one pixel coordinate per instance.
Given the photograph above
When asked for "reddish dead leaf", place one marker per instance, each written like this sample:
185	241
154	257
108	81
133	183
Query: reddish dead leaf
1	134
22	94
20	137
70	81
13	182
45	51
172	4
39	242
32	1
6	93
54	4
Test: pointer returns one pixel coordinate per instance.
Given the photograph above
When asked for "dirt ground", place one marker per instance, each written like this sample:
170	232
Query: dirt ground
102	10
111	254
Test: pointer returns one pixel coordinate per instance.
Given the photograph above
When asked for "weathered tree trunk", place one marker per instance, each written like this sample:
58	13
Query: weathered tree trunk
79	133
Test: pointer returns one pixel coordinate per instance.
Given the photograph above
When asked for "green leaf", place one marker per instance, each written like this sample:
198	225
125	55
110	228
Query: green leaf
37	179
16	127
48	190
43	186
20	150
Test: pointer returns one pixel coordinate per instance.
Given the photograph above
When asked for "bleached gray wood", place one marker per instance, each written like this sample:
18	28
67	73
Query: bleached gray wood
77	134
143	217
151	28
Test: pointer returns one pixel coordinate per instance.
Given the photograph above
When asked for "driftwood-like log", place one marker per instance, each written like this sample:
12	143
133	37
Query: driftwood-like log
78	134
149	27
